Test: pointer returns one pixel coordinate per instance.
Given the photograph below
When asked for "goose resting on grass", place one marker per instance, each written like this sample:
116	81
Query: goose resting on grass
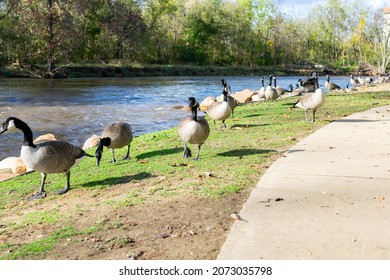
331	86
45	157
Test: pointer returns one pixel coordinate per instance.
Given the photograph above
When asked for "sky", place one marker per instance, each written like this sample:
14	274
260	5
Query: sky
300	8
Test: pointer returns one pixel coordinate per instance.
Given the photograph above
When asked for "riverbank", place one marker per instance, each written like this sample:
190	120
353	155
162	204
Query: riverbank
122	70
157	205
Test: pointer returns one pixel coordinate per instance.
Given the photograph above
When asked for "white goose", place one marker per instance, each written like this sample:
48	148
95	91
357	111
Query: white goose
45	157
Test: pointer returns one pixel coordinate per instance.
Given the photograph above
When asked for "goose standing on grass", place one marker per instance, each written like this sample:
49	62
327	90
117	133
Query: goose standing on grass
311	101
232	102
45	157
114	136
220	111
193	129
270	92
331	86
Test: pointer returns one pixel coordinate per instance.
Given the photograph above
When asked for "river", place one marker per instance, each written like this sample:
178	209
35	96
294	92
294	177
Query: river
75	109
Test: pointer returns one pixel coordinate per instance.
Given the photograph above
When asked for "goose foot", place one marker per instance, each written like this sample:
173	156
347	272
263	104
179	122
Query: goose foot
126	157
62	191
37	196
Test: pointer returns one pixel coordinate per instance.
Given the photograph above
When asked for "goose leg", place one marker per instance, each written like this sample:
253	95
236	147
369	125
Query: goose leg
127	156
215	125
113	157
306	115
223	124
197	155
67	186
314	115
187	151
41	193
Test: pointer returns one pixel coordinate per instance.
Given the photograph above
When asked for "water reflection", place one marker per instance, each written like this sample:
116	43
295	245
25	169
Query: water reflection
75	109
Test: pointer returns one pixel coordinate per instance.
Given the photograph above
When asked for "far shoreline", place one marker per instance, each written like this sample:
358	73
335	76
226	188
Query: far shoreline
128	70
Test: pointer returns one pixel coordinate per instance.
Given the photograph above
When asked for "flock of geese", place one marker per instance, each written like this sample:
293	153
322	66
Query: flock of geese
60	156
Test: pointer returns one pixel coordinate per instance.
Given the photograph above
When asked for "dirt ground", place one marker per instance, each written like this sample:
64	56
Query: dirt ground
180	227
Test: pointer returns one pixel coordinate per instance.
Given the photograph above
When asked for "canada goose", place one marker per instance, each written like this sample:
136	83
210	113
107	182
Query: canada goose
353	81
348	89
311	101
270	92
45	157
220	111
193	129
291	92
261	93
381	79
364	81
309	85
279	89
232	102
114	136
331	86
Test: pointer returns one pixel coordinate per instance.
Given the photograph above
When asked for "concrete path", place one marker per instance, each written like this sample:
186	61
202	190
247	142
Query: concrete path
327	198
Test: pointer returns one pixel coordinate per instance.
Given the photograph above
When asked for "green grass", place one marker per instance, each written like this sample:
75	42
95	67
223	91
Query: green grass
232	160
39	247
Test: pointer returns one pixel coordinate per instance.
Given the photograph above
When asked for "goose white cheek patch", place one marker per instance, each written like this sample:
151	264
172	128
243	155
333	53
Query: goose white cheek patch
11	125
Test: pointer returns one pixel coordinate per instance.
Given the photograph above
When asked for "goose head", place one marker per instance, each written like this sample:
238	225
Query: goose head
9	125
192	103
99	151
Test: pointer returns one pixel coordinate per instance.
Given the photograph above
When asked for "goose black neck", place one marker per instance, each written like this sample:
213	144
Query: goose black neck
225	94
28	135
194	111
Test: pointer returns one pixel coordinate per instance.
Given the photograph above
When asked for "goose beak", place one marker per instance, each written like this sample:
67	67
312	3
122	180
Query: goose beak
2	129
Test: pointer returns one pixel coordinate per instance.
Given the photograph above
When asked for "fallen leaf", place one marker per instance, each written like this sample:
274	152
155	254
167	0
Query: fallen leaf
179	165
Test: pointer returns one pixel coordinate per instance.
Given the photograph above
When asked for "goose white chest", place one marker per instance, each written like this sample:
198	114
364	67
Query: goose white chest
220	111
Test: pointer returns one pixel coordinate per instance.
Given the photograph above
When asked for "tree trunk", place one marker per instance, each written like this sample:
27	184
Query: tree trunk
50	40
